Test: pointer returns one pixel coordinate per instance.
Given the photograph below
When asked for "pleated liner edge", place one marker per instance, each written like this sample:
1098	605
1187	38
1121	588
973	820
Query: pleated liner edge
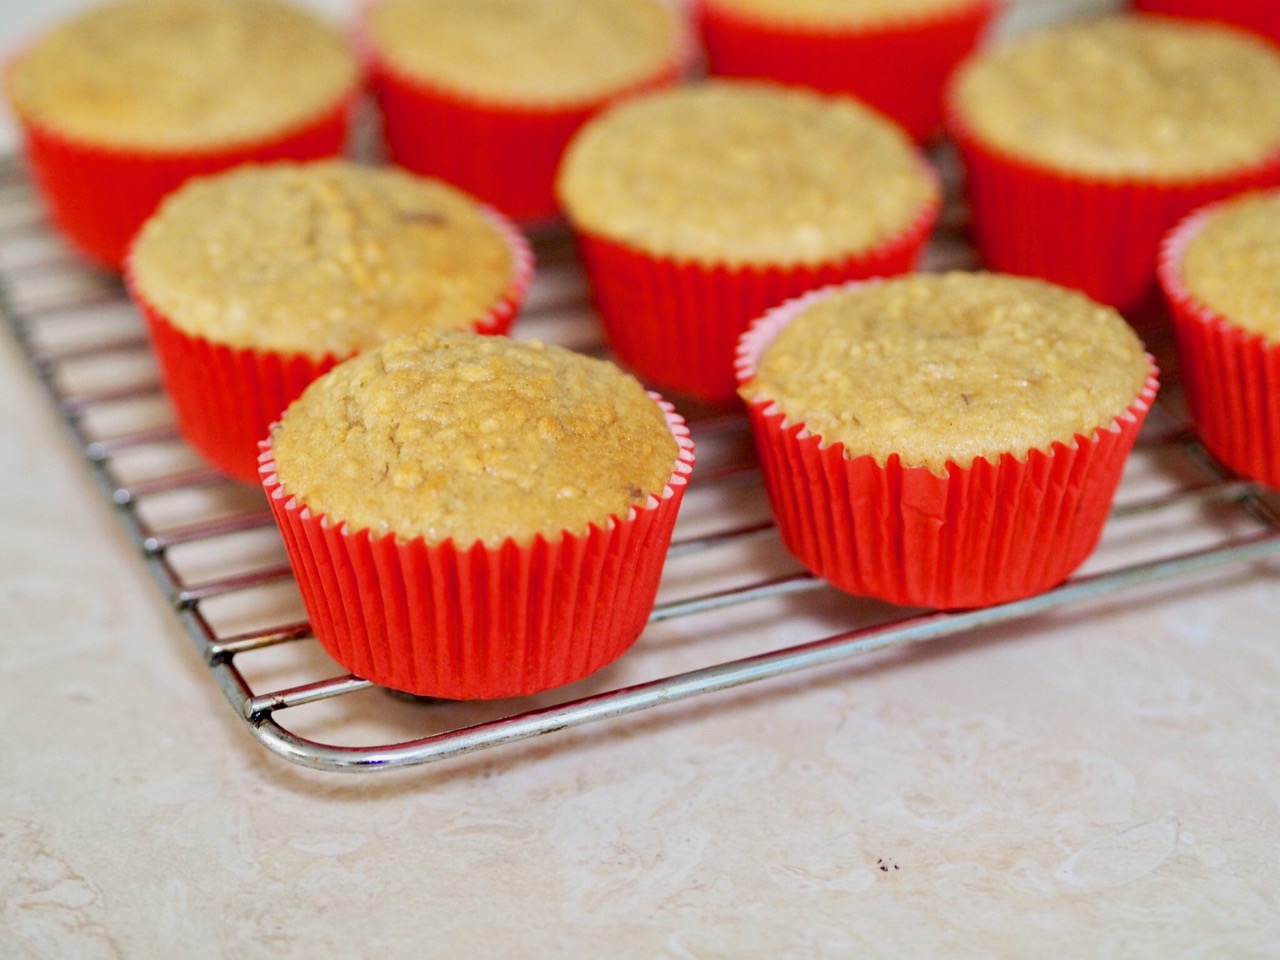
476	622
983	534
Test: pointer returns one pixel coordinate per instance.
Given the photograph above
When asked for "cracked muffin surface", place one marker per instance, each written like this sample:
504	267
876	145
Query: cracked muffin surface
470	438
320	258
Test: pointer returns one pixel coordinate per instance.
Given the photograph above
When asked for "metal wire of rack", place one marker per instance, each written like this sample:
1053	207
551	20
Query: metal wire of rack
212	549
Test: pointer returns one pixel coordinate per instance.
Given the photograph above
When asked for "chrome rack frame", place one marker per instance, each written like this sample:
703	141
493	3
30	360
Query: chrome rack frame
41	285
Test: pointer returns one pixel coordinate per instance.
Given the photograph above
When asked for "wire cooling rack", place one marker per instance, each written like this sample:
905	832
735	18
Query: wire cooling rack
733	609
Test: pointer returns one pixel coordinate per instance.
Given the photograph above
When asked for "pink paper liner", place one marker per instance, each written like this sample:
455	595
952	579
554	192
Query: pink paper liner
899	67
226	398
1231	377
472	622
506	155
1260	16
983	534
99	196
675	322
1098	236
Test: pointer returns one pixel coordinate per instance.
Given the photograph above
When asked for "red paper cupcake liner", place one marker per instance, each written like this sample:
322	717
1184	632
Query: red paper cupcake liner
226	398
1260	16
983	534
675	322
473	622
900	67
506	155
99	196
1098	236
1231	377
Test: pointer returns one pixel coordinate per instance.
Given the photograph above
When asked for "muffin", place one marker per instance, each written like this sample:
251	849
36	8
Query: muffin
486	93
1220	271
122	103
255	281
697	209
943	440
1085	142
470	517
1260	16
895	55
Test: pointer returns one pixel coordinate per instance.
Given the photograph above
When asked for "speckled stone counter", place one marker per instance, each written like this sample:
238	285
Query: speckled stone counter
1100	781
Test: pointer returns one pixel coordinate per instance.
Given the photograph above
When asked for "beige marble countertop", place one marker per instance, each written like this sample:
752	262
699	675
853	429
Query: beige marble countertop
1102	781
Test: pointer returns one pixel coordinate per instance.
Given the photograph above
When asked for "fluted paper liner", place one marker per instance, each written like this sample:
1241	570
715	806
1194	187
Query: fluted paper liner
1231	377
675	321
472	622
982	534
1097	235
98	196
505	154
226	398
899	66
1260	16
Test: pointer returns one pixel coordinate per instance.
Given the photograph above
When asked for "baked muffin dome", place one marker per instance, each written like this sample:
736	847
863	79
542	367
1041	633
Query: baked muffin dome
458	437
744	173
940	369
535	52
324	258
182	74
1232	264
1121	97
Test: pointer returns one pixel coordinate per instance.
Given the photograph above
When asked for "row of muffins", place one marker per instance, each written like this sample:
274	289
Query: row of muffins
1026	534
920	393
487	105
1082	145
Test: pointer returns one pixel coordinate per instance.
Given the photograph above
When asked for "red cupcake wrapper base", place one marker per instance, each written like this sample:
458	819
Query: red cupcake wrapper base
869	63
1260	16
983	534
1231	377
676	322
226	398
99	196
1098	236
476	623
505	156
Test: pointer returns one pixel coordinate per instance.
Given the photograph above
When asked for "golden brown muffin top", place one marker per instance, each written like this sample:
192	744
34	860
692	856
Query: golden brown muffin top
841	13
527	51
1148	97
949	367
463	437
319	258
182	74
1232	265
743	172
